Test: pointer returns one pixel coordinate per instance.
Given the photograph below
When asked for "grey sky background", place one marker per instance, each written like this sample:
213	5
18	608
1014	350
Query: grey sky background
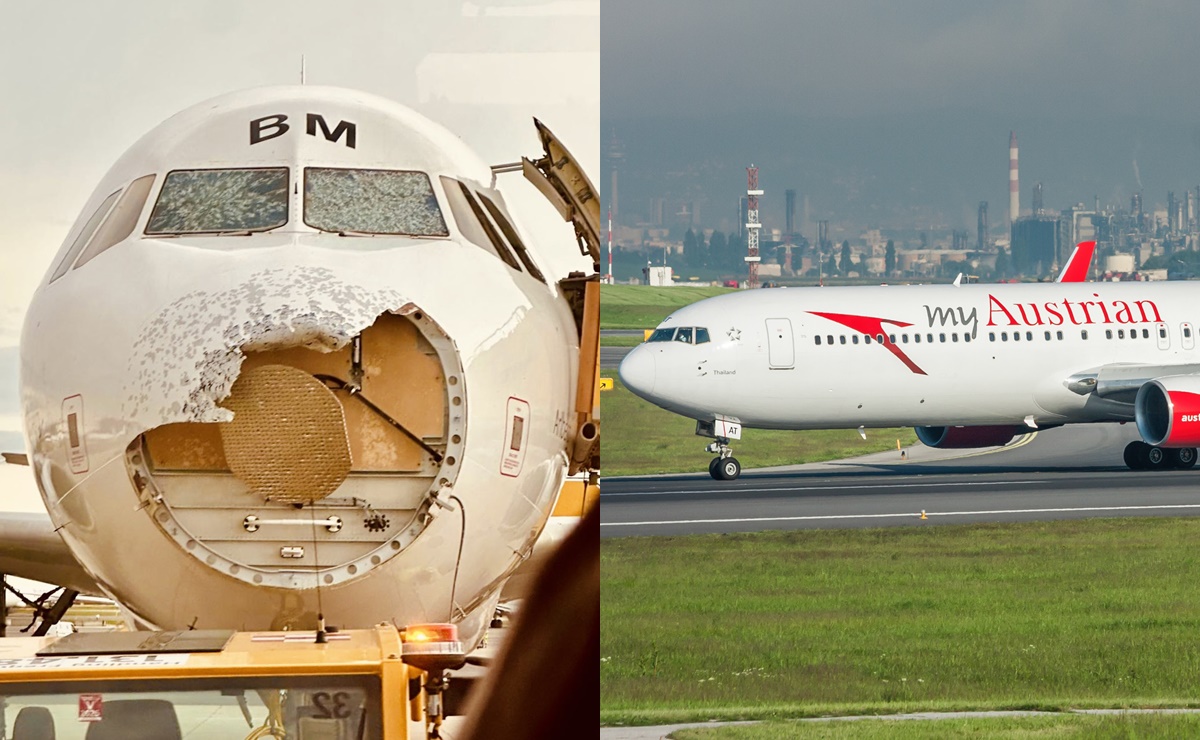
81	81
897	113
850	57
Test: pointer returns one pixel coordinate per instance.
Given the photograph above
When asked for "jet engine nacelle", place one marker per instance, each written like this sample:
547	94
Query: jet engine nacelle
967	437
1168	411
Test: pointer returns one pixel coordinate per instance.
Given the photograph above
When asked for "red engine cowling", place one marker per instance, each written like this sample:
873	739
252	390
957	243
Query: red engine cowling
1168	411
966	437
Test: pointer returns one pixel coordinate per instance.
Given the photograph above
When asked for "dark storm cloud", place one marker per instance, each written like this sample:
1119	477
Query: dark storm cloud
679	57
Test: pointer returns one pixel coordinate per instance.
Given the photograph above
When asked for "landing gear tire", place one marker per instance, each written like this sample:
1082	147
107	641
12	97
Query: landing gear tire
1134	454
724	466
729	468
1183	458
1156	458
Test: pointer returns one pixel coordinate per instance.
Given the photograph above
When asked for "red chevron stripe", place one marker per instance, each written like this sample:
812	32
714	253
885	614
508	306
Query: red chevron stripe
873	326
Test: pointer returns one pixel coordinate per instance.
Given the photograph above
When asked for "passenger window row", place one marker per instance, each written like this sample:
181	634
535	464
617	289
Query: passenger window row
1058	335
1004	336
929	338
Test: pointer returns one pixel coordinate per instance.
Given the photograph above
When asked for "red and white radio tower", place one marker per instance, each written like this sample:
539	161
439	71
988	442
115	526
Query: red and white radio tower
752	225
609	277
1014	189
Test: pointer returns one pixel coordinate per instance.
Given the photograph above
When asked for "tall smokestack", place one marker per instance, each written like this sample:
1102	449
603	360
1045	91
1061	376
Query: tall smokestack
1014	193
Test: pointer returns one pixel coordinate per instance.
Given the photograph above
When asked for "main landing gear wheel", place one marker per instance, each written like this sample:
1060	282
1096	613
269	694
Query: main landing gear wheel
1141	456
1183	458
1155	458
725	468
1133	455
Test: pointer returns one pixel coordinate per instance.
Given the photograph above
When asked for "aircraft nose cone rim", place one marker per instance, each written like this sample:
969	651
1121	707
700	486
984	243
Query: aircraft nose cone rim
637	371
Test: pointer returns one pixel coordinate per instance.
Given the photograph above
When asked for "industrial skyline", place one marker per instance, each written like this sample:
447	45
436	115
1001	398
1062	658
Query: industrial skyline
891	119
1033	243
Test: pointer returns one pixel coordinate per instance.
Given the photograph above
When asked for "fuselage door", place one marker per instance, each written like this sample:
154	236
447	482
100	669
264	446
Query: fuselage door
559	178
1164	339
781	350
1187	336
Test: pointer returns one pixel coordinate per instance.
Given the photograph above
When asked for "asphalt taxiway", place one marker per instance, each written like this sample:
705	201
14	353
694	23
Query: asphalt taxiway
610	357
1065	473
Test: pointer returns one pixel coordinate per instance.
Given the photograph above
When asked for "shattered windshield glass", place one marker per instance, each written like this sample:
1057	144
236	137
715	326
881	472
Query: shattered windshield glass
372	202
214	201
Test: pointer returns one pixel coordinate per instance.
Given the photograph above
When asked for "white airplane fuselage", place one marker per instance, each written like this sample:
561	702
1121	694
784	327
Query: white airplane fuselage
437	377
939	355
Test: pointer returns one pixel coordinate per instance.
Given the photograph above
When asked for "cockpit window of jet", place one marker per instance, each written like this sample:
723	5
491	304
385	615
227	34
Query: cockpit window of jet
371	202
216	201
682	334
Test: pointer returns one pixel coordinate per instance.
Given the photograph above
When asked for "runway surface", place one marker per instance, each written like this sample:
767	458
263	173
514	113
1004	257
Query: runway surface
610	357
1066	473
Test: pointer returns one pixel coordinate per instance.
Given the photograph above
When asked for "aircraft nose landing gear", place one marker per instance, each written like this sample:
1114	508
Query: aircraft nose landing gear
725	466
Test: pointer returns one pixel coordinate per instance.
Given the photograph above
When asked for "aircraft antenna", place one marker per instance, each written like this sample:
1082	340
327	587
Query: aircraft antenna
301	69
752	225
458	562
609	278
312	513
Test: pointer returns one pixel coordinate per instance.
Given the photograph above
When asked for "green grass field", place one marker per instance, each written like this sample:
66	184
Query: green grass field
639	438
1067	726
642	307
1088	613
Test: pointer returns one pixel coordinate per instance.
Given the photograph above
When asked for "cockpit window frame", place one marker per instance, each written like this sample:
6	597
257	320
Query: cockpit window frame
85	234
473	224
694	334
121	221
510	234
287	201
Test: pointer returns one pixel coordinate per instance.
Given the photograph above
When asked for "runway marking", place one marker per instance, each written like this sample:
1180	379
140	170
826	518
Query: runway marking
911	515
914	484
1023	440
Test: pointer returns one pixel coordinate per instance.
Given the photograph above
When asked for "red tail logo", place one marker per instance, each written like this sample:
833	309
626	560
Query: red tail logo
873	327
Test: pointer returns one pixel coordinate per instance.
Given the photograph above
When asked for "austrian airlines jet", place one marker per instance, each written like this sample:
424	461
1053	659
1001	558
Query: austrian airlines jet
967	365
295	356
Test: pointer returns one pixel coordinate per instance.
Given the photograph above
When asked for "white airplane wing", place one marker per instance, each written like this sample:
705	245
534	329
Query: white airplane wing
29	546
1121	382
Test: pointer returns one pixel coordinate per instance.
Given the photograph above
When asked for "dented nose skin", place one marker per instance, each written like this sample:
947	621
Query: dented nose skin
637	371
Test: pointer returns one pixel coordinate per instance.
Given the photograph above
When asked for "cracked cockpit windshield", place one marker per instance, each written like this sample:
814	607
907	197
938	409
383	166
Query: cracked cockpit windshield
353	202
220	201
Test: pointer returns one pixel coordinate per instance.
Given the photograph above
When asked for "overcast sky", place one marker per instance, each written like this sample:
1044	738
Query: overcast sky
897	114
850	57
81	81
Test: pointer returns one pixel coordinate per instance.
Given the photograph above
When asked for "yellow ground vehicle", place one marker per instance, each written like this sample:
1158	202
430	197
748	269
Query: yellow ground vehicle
378	684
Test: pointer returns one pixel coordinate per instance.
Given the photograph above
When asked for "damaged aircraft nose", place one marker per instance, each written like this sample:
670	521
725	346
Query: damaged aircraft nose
186	359
288	440
323	456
